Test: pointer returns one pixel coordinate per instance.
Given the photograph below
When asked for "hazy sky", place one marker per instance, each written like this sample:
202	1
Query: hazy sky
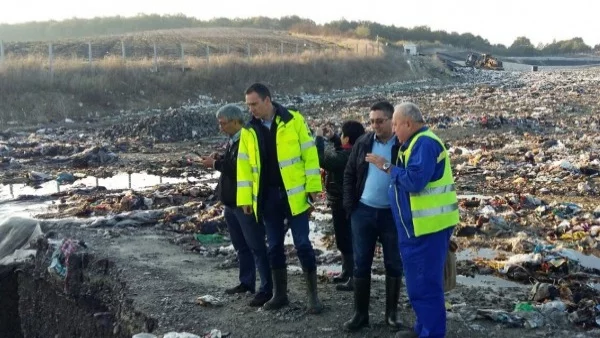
540	20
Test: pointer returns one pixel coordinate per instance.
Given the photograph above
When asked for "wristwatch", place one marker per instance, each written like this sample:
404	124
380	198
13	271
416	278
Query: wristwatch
386	166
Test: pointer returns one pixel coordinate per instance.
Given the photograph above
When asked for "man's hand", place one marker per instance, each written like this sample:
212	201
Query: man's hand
313	196
247	209
214	155
328	132
319	131
377	160
208	162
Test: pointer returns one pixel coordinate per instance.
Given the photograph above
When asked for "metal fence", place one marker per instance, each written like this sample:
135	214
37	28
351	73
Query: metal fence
175	54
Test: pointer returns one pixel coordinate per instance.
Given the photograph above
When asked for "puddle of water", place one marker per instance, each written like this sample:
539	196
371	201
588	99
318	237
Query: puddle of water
488	281
135	181
469	254
591	262
22	208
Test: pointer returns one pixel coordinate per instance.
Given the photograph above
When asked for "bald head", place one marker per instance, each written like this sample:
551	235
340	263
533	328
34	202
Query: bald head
407	120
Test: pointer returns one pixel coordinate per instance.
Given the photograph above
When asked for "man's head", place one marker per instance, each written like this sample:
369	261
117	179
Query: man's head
407	120
231	119
258	99
351	131
380	119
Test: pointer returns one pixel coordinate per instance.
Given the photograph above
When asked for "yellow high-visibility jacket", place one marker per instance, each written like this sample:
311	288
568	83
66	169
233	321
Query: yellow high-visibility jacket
296	154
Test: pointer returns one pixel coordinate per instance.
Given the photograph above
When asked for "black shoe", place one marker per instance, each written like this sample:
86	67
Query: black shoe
260	299
347	267
362	295
241	288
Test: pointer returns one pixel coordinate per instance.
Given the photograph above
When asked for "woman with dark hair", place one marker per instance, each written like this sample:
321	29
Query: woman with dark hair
333	161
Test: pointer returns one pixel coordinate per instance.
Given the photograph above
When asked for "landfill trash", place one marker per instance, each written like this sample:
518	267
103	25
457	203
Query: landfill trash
37	176
506	318
555	305
524	307
144	335
209	238
64	178
214	333
180	335
60	257
208	300
543	291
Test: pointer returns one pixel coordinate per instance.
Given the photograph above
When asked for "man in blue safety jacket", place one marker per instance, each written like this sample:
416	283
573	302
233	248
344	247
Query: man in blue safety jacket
425	209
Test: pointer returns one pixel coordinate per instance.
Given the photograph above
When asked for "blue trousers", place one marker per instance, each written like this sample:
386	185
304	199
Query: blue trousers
424	258
369	224
248	239
274	212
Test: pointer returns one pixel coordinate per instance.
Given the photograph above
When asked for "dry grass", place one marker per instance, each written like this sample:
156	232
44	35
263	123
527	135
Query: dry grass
31	93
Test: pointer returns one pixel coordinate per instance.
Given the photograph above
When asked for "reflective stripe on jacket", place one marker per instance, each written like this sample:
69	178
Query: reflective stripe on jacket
433	208
296	154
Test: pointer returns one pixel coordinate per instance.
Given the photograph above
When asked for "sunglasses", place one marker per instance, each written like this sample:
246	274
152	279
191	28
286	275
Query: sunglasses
378	121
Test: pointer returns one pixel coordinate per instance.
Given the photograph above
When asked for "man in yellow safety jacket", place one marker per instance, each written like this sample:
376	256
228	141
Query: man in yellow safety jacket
278	177
425	208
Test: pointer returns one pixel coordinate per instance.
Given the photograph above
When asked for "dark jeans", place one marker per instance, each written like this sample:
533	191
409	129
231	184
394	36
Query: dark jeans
248	239
342	229
369	224
275	211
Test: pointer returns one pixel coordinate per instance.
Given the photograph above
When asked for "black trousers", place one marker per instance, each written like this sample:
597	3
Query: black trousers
342	229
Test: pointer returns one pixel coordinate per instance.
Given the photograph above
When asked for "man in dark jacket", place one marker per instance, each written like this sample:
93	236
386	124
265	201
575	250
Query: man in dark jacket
334	161
365	199
247	236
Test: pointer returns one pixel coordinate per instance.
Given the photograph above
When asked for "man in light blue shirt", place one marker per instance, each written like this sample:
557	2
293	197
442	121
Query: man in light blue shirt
371	219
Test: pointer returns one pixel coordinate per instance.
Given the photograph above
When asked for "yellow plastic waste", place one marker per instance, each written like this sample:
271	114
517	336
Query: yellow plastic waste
575	236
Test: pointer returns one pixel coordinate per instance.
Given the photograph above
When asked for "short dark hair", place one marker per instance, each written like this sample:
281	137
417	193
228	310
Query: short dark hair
260	89
385	107
353	130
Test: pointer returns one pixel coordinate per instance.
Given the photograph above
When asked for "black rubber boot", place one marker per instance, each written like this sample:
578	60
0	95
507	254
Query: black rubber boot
314	304
392	293
347	267
362	295
280	298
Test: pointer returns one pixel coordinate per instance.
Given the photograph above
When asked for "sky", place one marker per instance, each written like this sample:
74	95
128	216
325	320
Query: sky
541	21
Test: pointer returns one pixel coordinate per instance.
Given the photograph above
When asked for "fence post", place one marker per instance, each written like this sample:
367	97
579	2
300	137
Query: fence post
90	53
207	54
123	50
155	59
357	48
1	51
51	60
182	58
248	50
281	48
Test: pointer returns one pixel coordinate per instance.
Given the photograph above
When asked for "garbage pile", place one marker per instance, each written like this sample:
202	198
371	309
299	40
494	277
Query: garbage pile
180	207
179	124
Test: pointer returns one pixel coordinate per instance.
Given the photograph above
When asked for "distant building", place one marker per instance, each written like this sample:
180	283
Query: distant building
410	48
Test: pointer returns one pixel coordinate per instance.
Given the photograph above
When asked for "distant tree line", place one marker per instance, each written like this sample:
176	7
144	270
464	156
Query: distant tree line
79	28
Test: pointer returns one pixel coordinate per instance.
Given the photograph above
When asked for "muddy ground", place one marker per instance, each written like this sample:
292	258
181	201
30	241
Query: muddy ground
522	145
